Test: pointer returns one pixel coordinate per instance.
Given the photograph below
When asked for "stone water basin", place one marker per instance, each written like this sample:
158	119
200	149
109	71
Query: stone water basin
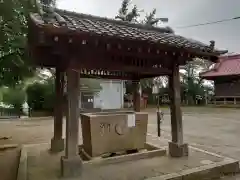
110	132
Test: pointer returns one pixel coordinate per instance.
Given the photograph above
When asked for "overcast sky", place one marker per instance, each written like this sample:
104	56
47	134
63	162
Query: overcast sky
180	13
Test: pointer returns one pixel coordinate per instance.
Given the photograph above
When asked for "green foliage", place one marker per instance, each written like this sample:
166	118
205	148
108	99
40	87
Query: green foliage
15	97
147	83
150	18
49	2
123	11
86	84
49	95
192	85
14	62
125	15
132	15
41	96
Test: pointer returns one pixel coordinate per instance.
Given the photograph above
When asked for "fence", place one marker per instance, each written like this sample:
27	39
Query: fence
8	113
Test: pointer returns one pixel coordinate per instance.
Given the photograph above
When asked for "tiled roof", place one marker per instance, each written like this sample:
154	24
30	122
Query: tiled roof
109	27
227	66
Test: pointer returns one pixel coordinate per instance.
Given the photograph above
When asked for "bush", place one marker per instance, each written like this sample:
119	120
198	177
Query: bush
14	97
41	96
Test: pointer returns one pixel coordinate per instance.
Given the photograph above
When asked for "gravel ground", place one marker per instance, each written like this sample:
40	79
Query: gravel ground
213	129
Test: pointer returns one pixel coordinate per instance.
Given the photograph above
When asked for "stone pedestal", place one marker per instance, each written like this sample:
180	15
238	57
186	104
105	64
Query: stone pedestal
57	145
176	150
71	166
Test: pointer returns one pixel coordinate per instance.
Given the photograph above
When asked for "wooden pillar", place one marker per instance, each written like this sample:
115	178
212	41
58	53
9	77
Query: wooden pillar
176	148
57	142
71	163
136	96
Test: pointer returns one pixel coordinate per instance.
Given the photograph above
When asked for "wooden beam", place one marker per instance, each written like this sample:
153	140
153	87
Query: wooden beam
44	57
106	77
110	66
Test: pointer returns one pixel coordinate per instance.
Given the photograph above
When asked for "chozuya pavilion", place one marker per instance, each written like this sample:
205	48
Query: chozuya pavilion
80	45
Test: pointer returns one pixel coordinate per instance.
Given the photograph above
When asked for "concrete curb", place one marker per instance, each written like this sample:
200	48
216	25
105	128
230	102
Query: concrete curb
227	166
36	118
28	119
210	171
8	146
153	152
22	167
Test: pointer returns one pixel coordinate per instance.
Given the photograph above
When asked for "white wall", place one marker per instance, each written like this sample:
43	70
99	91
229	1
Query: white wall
111	95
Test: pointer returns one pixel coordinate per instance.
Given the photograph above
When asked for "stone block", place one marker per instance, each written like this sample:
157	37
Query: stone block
176	150
71	167
109	132
203	172
172	176
22	167
57	145
230	168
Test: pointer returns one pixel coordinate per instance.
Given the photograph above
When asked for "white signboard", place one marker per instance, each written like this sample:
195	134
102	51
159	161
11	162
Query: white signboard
131	120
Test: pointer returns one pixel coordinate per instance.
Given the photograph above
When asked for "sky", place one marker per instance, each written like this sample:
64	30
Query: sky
180	13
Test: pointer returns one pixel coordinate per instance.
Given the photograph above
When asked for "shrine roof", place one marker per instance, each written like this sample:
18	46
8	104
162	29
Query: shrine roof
227	66
65	21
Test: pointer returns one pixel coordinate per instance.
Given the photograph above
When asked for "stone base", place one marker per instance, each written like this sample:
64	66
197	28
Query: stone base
57	145
71	167
176	150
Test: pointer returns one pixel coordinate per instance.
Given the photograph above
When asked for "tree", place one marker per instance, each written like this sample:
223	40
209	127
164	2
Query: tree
193	86
49	2
132	15
14	97
150	18
125	15
86	84
15	64
13	29
41	96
